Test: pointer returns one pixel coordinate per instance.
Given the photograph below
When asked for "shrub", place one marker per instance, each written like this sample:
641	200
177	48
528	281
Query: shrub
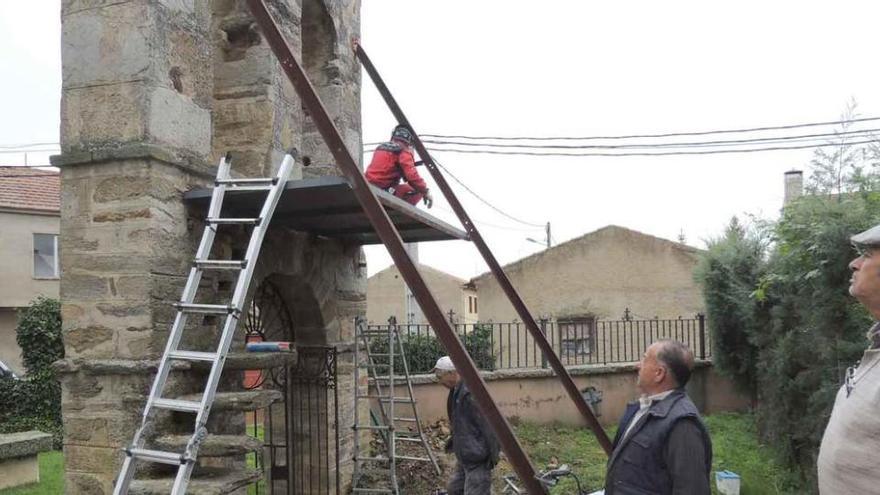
423	350
34	402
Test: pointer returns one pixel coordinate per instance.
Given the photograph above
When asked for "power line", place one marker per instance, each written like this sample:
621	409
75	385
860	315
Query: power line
7	151
25	145
669	134
484	223
663	153
689	144
490	205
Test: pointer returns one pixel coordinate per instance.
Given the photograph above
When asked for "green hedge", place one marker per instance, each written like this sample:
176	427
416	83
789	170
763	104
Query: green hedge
34	401
422	351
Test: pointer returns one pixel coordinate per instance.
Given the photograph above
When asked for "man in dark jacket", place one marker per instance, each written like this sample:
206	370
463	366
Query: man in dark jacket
662	446
393	162
473	441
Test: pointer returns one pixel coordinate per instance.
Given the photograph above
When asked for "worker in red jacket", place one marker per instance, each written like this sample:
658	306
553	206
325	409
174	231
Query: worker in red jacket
393	161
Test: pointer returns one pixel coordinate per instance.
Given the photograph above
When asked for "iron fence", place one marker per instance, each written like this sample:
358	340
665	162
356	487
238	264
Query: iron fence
495	345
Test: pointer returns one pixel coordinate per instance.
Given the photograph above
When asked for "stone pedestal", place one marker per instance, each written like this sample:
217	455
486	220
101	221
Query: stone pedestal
18	457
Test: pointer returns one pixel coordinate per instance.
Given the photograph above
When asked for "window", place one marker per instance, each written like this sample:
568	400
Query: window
45	256
475	305
576	336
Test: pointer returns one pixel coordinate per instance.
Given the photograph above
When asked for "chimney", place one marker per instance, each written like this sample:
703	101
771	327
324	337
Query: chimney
794	186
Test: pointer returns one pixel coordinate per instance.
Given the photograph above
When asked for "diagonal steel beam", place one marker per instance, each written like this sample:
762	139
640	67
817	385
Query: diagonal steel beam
391	238
477	239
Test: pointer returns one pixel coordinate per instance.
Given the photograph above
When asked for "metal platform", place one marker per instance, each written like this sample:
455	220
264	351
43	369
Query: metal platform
327	206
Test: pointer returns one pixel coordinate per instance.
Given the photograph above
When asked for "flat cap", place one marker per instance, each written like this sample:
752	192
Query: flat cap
870	237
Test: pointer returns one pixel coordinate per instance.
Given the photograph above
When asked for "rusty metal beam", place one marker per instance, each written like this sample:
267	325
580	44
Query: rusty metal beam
391	238
484	250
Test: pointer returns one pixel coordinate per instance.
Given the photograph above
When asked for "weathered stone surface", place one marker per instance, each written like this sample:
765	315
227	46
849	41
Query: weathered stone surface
240	401
24	443
87	339
119	216
236	361
84	286
87	483
213	445
216	482
104	460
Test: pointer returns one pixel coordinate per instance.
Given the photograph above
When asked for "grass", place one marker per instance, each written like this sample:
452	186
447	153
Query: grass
51	477
734	442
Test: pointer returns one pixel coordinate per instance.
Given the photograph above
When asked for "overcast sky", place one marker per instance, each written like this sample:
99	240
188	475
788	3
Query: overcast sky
563	68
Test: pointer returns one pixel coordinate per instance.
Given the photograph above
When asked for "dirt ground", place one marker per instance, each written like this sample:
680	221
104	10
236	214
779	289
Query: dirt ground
420	478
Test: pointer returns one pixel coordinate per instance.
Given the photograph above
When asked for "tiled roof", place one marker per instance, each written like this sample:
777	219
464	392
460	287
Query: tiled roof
30	189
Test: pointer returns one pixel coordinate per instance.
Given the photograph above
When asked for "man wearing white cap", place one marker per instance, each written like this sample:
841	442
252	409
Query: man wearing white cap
473	442
847	458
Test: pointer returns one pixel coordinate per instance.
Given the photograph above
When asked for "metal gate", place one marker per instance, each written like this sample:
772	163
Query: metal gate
300	435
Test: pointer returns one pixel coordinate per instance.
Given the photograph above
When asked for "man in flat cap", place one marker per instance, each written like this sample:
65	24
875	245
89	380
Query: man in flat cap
847	458
473	442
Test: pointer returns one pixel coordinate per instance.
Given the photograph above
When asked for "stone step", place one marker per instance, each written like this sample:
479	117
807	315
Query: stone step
237	361
248	400
212	446
208	482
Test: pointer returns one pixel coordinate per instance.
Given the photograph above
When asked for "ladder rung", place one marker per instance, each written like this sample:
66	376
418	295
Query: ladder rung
397	399
372	396
410	458
375	354
213	309
178	405
371	427
408	439
220	264
193	356
376	365
250	181
373	459
411	420
372	490
159	456
234	221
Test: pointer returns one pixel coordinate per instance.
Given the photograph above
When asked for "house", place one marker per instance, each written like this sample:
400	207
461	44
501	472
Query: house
606	274
604	297
30	215
387	296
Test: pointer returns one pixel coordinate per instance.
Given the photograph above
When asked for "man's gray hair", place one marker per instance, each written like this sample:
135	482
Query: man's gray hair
677	358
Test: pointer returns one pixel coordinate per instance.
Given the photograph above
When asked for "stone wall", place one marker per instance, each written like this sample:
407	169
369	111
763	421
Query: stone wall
537	396
153	94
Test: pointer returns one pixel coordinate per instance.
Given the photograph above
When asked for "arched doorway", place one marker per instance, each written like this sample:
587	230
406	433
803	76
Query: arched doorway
299	433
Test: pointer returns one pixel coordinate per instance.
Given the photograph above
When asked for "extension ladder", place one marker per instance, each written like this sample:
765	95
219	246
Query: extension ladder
383	349
186	460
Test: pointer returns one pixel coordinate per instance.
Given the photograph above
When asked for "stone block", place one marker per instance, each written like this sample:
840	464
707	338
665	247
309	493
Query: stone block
109	45
87	483
177	121
82	286
19	471
25	443
92	341
97	460
95	115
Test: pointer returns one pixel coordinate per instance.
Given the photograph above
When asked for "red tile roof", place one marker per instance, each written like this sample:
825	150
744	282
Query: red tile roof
30	189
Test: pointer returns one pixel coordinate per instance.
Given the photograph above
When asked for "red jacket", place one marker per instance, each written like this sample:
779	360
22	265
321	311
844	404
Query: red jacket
391	162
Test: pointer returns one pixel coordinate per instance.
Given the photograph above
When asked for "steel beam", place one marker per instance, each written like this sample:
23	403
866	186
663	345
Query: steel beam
477	239
391	238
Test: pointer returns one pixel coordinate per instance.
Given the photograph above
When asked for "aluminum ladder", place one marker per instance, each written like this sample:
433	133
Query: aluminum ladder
383	349
186	460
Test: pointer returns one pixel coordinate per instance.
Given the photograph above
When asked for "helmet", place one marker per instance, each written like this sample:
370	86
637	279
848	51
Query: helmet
402	133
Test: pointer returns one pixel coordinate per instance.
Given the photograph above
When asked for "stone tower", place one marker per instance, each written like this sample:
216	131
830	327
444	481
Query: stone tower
154	92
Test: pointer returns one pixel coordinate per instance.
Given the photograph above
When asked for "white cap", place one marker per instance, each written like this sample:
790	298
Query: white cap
444	364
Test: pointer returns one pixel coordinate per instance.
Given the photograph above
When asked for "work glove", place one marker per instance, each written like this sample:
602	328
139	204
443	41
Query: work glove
429	201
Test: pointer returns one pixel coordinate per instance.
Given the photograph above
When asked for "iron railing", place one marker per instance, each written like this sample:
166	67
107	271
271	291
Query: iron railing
495	345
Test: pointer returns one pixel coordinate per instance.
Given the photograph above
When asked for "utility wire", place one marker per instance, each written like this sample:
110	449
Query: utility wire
25	145
670	134
490	205
713	144
662	153
484	223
